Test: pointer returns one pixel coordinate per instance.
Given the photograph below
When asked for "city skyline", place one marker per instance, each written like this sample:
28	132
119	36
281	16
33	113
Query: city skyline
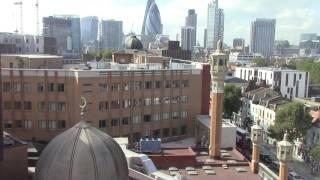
292	18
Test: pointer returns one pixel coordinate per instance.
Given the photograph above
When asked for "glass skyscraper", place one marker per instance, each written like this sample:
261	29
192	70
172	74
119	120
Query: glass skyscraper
112	34
152	20
89	29
215	24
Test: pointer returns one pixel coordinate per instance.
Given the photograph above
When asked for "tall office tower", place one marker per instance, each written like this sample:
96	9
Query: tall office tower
152	20
218	70
188	37
262	36
215	24
75	32
205	38
111	34
89	29
238	43
60	29
191	21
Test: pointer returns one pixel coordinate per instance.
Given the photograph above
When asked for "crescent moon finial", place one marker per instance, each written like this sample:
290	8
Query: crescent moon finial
83	105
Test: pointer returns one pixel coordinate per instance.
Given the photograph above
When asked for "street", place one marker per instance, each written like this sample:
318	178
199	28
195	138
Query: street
299	167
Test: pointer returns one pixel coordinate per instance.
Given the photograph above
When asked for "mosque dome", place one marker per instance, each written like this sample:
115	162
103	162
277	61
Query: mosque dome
82	153
133	43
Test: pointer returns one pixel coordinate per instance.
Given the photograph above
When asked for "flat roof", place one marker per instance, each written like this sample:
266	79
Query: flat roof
206	120
34	56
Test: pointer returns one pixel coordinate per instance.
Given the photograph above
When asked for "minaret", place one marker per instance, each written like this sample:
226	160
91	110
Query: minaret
284	154
256	138
218	71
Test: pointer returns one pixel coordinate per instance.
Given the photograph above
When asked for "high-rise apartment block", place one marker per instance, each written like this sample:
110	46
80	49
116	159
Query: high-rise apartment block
111	34
89	31
263	36
239	44
215	25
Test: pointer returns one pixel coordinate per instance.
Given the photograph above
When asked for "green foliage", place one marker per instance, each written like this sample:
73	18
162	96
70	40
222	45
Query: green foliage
232	102
315	153
293	119
260	62
309	65
106	53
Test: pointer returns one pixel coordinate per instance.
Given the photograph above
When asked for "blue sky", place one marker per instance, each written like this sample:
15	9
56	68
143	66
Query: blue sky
293	16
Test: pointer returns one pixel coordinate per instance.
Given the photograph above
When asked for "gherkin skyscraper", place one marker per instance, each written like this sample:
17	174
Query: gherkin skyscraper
152	20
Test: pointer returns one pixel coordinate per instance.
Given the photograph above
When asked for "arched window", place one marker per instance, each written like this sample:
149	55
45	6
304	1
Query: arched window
220	62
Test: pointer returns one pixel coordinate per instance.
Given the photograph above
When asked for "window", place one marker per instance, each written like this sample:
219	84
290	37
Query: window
103	106
183	130
6	87
287	79
294	79
168	84
174	131
158	84
147	101
16	87
185	83
103	87
156	117
156	101
27	87
175	100
17	105
52	124
57	106
60	87
184	114
137	102
184	99
148	85
165	132
7	105
175	115
27	105
147	118
300	76
136	119
50	87
8	124
125	121
126	86
156	133
137	85
41	87
41	106
87	84
18	124
115	122
166	100
61	124
166	116
115	104
126	103
27	124
176	84
115	87
102	123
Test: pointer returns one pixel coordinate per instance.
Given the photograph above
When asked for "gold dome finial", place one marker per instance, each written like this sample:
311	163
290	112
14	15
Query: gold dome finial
83	105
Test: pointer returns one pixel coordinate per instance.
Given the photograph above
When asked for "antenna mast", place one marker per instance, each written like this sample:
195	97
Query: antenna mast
37	14
21	15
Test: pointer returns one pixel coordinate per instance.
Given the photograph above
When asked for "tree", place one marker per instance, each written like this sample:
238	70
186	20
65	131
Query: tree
309	65
293	119
232	102
315	153
106	53
261	62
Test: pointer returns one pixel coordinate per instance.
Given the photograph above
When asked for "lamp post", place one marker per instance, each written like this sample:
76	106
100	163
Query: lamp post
256	138
284	154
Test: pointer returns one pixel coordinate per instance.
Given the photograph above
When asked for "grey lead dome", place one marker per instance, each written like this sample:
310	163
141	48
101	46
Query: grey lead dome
133	43
82	153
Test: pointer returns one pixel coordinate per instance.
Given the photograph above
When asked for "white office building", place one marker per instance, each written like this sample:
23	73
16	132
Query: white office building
290	83
243	58
24	44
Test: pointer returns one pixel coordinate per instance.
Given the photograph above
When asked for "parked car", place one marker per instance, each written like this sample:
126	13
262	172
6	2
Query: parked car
294	176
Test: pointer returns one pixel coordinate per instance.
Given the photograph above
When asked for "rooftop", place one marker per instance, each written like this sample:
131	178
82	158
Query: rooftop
31	56
205	120
11	141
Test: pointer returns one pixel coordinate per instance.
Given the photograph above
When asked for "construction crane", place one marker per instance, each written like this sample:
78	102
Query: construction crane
38	25
19	3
